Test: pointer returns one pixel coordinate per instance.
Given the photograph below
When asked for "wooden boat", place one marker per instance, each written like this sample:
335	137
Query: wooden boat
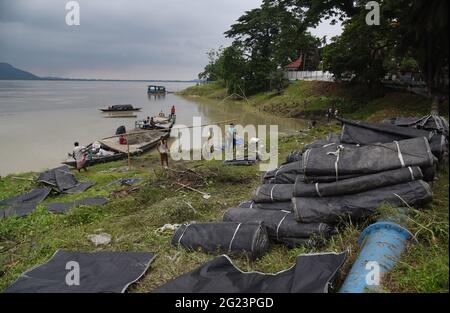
96	159
139	142
121	108
161	122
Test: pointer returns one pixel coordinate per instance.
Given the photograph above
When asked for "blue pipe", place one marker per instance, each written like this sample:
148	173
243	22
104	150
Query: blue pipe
383	243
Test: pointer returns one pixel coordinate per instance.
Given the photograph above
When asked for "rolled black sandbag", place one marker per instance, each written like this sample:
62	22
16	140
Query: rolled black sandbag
285	174
280	225
439	146
360	205
233	238
359	132
294	156
273	193
357	184
374	158
271	206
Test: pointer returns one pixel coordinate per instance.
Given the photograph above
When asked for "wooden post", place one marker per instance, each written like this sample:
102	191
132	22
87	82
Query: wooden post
128	151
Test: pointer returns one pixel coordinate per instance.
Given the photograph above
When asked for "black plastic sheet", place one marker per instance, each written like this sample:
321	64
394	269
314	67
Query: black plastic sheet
228	237
63	207
359	132
429	122
24	204
374	158
273	193
357	184
360	205
312	273
62	180
282	226
99	272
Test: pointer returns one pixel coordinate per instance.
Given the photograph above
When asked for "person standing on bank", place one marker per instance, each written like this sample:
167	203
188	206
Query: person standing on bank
163	150
80	157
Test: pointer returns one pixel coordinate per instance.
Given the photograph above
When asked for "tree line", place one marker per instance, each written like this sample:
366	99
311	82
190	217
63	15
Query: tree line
412	36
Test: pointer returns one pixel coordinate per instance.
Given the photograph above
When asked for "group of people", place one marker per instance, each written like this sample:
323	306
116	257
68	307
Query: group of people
332	113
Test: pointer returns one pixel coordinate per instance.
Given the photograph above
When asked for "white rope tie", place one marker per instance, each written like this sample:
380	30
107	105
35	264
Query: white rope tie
337	154
279	224
412	173
271	192
400	156
234	235
179	239
317	190
401	199
276	173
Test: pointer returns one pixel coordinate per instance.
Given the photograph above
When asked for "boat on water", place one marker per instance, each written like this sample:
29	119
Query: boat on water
121	108
110	149
161	121
153	89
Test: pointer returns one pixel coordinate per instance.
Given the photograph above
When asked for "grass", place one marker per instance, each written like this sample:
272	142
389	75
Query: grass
133	220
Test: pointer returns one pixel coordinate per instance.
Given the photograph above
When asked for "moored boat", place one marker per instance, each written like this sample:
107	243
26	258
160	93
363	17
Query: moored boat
160	121
121	108
152	89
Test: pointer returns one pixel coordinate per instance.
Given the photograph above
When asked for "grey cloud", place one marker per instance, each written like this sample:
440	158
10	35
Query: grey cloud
138	39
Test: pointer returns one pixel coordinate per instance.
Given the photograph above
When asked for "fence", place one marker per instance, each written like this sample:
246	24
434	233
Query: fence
309	75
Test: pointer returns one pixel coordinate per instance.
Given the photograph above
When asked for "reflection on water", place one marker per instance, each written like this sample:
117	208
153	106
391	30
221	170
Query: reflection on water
40	120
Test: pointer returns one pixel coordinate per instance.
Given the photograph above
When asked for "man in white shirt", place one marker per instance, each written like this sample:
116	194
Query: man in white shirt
80	156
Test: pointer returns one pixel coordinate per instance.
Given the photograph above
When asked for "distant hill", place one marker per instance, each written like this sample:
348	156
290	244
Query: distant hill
7	71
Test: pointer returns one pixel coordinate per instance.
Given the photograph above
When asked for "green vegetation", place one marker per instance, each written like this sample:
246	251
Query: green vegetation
312	98
134	217
409	36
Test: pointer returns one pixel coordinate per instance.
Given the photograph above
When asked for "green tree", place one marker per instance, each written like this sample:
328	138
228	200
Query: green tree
214	69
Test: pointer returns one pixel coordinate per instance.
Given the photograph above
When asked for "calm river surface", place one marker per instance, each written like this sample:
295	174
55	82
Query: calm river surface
40	120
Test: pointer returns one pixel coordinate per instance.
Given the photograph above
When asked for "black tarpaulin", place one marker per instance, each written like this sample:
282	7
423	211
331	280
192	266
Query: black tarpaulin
285	174
62	207
62	180
368	159
274	193
359	132
360	205
281	225
312	273
277	206
229	237
429	122
23	204
99	272
357	184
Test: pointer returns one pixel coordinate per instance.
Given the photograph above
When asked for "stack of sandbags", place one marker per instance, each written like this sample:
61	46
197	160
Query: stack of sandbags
434	129
359	197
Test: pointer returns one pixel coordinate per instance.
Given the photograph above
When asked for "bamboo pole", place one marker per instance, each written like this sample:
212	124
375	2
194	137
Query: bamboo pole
165	130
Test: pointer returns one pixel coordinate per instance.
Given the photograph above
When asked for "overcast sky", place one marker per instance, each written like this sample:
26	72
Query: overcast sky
119	39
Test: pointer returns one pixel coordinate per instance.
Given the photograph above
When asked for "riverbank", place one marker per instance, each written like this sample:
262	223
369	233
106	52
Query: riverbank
311	99
133	218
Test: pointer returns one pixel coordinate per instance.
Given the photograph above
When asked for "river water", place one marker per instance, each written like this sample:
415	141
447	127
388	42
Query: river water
40	120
